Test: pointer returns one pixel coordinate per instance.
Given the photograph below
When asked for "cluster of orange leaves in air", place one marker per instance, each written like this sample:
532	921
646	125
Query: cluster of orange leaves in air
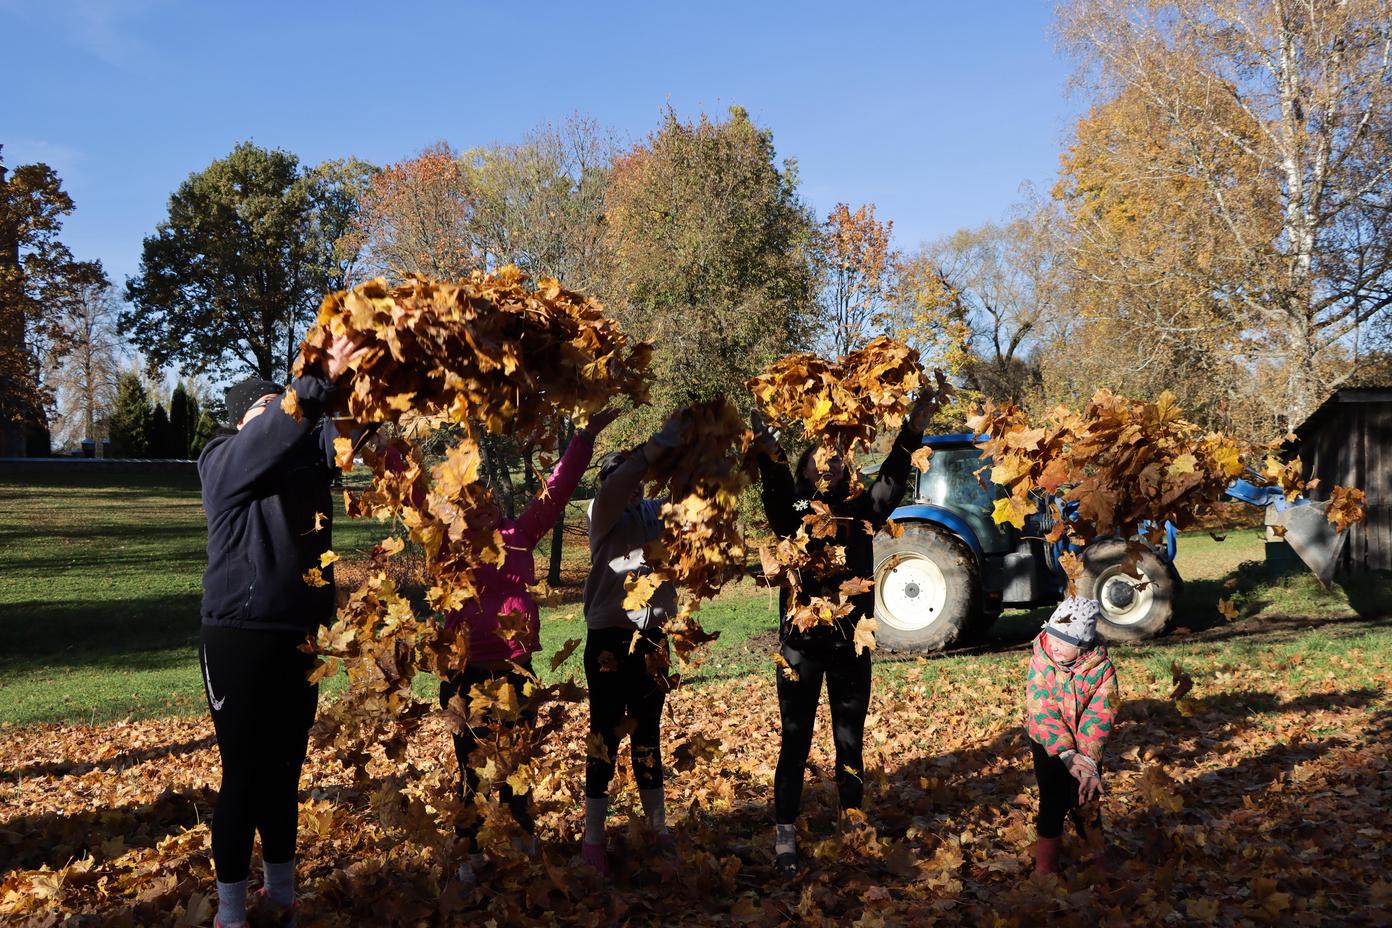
1130	467
491	354
837	406
701	547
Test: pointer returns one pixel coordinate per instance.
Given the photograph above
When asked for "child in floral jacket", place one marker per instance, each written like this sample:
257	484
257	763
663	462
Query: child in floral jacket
1070	705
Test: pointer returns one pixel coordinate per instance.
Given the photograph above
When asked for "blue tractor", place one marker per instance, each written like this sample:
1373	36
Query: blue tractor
951	571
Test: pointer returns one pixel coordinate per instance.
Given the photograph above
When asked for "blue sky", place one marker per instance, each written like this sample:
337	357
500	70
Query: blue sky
935	111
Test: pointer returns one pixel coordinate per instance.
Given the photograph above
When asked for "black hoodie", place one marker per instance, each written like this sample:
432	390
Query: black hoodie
262	488
787	499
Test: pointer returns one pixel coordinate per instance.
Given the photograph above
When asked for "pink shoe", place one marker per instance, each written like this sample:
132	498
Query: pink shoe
597	856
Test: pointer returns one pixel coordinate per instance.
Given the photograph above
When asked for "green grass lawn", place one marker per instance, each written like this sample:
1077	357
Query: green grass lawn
100	587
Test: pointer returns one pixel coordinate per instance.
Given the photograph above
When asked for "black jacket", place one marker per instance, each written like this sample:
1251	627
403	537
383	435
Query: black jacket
787	499
262	487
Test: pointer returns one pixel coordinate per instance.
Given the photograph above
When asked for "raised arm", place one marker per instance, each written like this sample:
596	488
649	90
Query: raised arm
889	484
615	492
778	492
546	507
231	468
777	487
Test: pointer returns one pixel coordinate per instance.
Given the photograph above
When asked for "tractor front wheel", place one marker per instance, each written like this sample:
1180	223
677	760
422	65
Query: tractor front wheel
927	589
1132	610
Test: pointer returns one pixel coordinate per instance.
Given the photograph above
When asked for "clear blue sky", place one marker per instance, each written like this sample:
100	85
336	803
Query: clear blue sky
935	111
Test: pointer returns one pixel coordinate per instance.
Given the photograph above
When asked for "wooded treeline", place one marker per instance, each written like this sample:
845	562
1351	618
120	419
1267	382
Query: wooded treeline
1221	226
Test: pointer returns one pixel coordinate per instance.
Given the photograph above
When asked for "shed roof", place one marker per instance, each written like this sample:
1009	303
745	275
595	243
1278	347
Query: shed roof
1330	407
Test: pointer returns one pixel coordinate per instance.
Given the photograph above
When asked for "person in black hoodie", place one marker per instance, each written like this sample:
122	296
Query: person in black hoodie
266	493
827	651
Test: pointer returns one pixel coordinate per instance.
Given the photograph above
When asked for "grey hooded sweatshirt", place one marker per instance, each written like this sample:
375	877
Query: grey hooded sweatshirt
619	529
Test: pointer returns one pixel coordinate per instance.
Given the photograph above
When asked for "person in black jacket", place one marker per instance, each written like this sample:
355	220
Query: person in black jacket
267	498
827	651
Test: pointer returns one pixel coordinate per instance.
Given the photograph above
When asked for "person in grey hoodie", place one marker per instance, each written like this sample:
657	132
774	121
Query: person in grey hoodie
625	649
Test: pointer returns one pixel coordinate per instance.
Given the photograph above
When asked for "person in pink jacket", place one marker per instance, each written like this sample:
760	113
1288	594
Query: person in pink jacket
505	602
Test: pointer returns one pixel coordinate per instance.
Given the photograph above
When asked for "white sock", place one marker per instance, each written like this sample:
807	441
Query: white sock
596	811
232	898
785	839
655	808
280	881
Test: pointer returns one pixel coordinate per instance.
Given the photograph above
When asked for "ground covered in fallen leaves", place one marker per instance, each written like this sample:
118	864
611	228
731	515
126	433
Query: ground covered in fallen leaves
1261	796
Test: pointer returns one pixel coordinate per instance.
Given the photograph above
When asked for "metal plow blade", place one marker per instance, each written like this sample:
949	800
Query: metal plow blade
1311	536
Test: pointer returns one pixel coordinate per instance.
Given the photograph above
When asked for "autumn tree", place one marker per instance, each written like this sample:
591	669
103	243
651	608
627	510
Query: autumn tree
1257	136
232	278
540	204
39	283
853	255
83	374
711	255
927	313
417	218
1140	250
1000	282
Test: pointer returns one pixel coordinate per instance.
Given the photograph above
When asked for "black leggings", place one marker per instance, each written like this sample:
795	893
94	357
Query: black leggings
262	709
848	690
465	742
627	691
1058	795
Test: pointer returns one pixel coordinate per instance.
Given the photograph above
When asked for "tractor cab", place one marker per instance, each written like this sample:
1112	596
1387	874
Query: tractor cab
954	482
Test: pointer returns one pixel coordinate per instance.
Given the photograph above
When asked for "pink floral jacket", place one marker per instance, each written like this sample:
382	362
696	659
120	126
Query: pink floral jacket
1071	709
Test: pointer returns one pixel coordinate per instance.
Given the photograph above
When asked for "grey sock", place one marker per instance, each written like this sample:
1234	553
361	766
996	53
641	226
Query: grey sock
280	882
232	898
785	839
596	811
655	808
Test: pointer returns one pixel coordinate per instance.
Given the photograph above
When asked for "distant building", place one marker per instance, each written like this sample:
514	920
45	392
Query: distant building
1347	441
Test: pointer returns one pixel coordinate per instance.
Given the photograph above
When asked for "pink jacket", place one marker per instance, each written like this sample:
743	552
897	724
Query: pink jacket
503	589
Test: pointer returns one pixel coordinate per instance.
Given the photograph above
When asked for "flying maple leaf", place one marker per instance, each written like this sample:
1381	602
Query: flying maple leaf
864	638
1347	506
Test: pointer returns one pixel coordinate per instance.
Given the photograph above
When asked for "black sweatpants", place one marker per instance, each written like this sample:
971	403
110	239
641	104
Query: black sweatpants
262	707
627	692
1058	796
465	742
848	691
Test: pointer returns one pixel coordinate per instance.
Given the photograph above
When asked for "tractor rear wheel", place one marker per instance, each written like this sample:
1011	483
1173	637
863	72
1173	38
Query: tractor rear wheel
1132	610
927	589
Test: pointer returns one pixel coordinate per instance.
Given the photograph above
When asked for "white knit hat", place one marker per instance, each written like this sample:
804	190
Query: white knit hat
1075	621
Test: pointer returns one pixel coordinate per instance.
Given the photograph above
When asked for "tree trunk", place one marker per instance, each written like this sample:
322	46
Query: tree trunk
12	442
496	468
529	481
553	572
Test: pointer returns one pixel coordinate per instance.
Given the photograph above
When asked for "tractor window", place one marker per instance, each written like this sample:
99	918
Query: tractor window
951	482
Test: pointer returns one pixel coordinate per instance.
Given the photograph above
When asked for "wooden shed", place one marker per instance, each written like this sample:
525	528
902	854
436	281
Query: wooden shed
1348	441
